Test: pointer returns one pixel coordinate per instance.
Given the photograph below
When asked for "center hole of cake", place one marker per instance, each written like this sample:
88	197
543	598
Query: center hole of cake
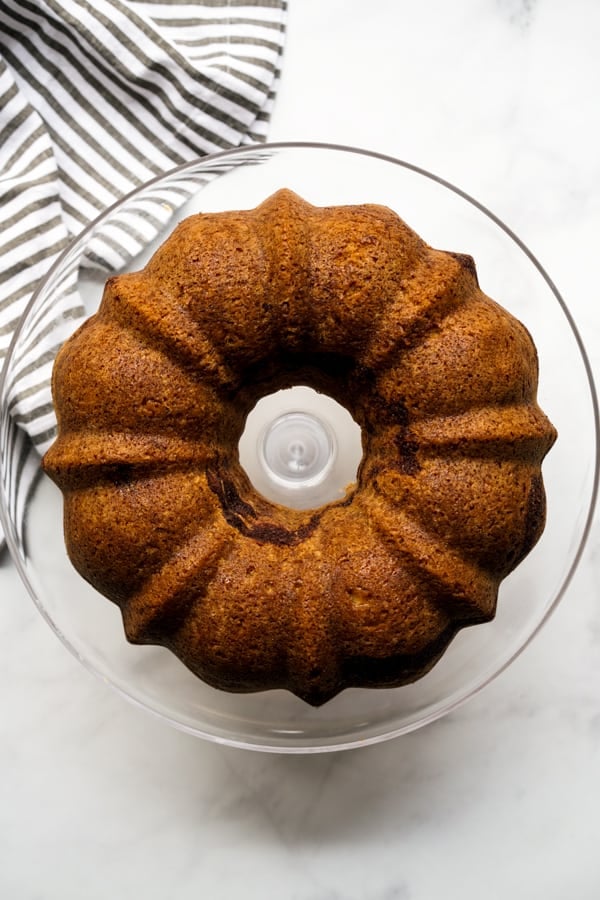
297	447
301	449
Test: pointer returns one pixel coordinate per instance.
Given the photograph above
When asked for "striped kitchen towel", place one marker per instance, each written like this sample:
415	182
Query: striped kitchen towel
96	98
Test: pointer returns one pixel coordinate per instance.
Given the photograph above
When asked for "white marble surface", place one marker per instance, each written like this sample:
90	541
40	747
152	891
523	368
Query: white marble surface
500	799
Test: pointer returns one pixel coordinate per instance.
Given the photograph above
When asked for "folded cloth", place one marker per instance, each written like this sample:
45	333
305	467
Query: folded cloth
96	98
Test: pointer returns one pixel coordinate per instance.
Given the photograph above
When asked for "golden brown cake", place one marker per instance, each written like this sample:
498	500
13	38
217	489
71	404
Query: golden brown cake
151	397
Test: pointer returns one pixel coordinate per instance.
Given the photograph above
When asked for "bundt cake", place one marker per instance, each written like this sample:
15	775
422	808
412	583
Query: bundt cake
151	396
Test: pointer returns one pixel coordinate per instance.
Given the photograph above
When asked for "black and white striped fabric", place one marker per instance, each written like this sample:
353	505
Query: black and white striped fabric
96	98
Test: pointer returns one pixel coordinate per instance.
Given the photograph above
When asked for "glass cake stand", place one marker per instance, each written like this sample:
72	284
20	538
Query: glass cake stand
90	626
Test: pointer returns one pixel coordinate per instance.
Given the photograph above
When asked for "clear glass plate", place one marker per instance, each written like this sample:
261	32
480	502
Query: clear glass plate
447	218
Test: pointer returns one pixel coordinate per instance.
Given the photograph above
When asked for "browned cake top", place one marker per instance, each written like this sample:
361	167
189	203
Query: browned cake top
151	397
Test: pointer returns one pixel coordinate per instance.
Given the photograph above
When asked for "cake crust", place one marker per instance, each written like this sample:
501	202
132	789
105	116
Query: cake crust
151	396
